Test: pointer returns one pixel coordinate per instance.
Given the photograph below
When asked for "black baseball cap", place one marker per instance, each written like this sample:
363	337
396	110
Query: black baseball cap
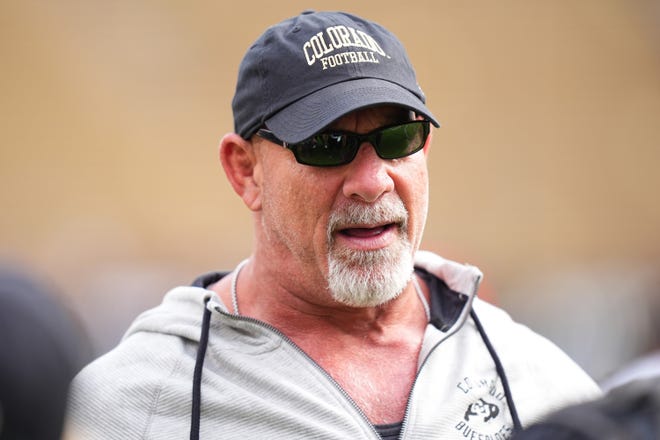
307	71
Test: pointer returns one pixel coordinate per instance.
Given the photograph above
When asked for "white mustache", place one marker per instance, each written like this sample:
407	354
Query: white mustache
386	212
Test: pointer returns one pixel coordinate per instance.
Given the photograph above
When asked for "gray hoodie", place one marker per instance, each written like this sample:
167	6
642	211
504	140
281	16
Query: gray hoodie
480	375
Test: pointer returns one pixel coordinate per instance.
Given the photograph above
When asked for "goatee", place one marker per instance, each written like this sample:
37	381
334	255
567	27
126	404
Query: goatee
360	278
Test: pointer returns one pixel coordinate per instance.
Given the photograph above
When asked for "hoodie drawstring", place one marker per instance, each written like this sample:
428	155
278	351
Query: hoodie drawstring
203	344
195	417
517	426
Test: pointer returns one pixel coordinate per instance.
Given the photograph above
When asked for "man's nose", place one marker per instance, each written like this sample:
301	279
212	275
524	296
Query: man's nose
368	176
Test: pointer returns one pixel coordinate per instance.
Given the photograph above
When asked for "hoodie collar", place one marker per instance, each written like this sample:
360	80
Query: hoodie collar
452	285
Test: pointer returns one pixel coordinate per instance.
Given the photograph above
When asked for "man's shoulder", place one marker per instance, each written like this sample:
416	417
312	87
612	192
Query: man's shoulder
118	394
516	339
543	376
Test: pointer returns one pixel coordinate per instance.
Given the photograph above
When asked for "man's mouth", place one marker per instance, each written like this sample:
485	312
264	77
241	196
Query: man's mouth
366	232
367	228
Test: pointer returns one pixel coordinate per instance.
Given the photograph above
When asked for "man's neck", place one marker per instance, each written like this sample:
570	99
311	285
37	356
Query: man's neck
371	353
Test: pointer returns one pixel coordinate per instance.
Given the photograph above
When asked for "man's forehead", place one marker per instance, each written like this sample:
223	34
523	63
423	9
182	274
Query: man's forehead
380	115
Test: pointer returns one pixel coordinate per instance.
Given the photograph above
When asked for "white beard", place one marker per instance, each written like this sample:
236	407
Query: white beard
370	278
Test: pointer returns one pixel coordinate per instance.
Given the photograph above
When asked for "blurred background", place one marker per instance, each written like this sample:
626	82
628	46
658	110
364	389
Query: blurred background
544	173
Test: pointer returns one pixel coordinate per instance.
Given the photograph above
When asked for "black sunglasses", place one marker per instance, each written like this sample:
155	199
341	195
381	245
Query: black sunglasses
335	148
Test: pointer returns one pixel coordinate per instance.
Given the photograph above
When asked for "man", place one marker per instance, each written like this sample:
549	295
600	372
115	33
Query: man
336	327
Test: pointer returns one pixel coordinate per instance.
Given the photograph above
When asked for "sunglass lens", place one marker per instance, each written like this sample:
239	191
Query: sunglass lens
323	150
401	140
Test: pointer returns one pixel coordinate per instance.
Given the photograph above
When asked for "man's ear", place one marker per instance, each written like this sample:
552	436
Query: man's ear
242	168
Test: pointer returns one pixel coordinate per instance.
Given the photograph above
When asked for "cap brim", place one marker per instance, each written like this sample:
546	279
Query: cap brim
311	114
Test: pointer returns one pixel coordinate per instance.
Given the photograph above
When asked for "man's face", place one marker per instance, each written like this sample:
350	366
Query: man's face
354	227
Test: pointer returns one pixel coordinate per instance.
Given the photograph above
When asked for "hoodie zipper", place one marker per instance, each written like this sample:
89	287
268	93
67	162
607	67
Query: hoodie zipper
316	366
457	326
